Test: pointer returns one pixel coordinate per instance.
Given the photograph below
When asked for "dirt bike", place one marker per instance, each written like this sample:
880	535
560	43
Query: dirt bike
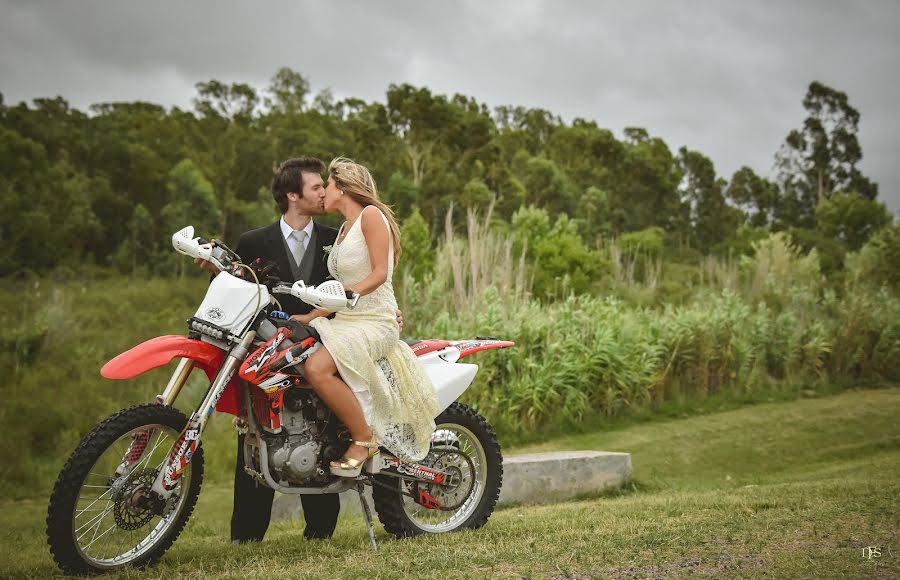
128	489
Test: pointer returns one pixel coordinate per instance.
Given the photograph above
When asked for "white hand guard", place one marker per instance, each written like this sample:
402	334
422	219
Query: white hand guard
185	243
328	295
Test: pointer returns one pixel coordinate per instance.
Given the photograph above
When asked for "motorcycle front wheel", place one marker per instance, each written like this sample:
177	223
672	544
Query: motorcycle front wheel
463	445
99	519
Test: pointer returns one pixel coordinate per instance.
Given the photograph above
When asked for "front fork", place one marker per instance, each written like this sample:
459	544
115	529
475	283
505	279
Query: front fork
167	397
186	444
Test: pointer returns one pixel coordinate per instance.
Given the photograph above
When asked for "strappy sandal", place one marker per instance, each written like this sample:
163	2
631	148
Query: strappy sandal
349	467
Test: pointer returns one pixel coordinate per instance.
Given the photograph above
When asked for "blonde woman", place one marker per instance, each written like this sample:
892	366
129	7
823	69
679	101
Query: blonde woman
387	398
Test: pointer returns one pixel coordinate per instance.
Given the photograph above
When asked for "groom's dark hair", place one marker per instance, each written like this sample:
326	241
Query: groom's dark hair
289	177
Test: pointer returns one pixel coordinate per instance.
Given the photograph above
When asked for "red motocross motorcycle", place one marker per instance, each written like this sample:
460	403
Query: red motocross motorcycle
128	489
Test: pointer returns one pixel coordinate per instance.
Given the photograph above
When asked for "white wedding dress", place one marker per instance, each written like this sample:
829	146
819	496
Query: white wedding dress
398	399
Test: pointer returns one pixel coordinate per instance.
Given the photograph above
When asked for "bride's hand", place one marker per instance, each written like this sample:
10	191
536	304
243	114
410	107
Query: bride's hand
303	319
306	319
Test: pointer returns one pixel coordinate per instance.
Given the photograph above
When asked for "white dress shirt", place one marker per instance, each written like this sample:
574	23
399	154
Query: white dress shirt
287	230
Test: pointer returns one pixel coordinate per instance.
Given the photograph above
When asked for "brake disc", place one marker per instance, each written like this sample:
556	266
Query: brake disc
460	481
130	511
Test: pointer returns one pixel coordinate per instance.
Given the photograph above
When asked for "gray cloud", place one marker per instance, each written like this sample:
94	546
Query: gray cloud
725	78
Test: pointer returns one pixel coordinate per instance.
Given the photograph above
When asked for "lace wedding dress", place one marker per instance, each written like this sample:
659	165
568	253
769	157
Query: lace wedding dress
397	398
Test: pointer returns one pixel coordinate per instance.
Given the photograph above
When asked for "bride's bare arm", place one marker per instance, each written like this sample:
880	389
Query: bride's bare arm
309	317
378	240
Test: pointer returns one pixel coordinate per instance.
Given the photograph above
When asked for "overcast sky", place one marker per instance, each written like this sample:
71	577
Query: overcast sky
723	77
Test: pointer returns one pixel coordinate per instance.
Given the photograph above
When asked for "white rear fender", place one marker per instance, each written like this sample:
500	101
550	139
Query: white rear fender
450	379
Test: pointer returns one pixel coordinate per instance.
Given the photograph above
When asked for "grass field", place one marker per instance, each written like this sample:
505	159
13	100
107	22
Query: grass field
783	490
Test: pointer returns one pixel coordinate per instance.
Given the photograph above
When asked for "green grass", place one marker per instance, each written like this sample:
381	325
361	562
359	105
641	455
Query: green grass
782	490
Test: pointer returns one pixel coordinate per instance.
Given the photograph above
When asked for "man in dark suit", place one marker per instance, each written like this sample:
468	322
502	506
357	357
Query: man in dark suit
296	244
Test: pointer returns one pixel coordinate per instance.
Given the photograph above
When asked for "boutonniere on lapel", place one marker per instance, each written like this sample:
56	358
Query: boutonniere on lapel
327	249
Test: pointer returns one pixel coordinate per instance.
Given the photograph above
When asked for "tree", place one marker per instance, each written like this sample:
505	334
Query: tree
850	218
237	101
288	90
55	125
26	232
421	120
878	262
821	157
418	257
78	229
530	129
649	242
138	248
476	195
644	187
401	194
712	218
232	150
252	213
558	256
753	194
547	185
191	201
586	153
595	214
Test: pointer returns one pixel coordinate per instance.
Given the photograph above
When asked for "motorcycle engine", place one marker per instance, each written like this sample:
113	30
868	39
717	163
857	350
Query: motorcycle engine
295	453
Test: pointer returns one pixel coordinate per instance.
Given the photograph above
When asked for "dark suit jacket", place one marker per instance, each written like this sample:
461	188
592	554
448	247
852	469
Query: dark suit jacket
267	244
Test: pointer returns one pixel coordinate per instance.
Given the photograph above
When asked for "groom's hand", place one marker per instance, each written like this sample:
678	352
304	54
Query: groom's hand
400	319
206	265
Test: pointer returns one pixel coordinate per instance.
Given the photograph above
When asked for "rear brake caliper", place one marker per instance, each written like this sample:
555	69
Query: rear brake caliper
426	500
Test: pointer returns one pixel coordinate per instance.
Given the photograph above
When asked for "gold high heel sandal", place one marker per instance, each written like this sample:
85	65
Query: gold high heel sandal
349	467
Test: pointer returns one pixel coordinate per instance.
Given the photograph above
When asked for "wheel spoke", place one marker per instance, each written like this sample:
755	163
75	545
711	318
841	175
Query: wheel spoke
145	459
88	510
109	529
96	499
97	518
95	528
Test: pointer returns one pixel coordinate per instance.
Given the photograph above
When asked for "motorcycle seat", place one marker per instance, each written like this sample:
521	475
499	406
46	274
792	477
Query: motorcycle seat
420	347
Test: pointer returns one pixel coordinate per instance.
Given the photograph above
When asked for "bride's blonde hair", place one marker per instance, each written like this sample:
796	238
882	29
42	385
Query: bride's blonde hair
356	181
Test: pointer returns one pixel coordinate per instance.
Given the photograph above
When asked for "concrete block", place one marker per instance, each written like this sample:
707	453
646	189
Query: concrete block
561	475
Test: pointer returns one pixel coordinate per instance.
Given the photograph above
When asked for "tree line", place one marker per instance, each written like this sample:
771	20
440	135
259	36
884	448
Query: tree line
108	186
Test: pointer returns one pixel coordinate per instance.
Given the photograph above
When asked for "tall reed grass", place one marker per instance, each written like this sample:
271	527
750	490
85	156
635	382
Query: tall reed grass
770	320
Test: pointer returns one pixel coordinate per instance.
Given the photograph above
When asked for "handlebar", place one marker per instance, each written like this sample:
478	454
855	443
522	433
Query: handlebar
281	288
217	254
329	295
213	251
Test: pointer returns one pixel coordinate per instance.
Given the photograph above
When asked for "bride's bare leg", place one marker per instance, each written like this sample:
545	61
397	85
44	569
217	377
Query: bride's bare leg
322	375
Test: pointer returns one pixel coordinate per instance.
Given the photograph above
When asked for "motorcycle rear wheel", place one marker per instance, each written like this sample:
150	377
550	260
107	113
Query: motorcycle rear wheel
95	521
463	443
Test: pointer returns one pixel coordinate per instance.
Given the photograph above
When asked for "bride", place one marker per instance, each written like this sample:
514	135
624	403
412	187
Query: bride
387	398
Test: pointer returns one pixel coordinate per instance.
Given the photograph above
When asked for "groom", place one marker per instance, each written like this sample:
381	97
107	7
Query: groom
295	243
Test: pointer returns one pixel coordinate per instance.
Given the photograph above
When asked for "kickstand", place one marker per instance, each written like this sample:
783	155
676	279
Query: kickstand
367	513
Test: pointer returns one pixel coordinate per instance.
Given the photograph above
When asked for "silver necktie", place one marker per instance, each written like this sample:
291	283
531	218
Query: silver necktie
299	250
